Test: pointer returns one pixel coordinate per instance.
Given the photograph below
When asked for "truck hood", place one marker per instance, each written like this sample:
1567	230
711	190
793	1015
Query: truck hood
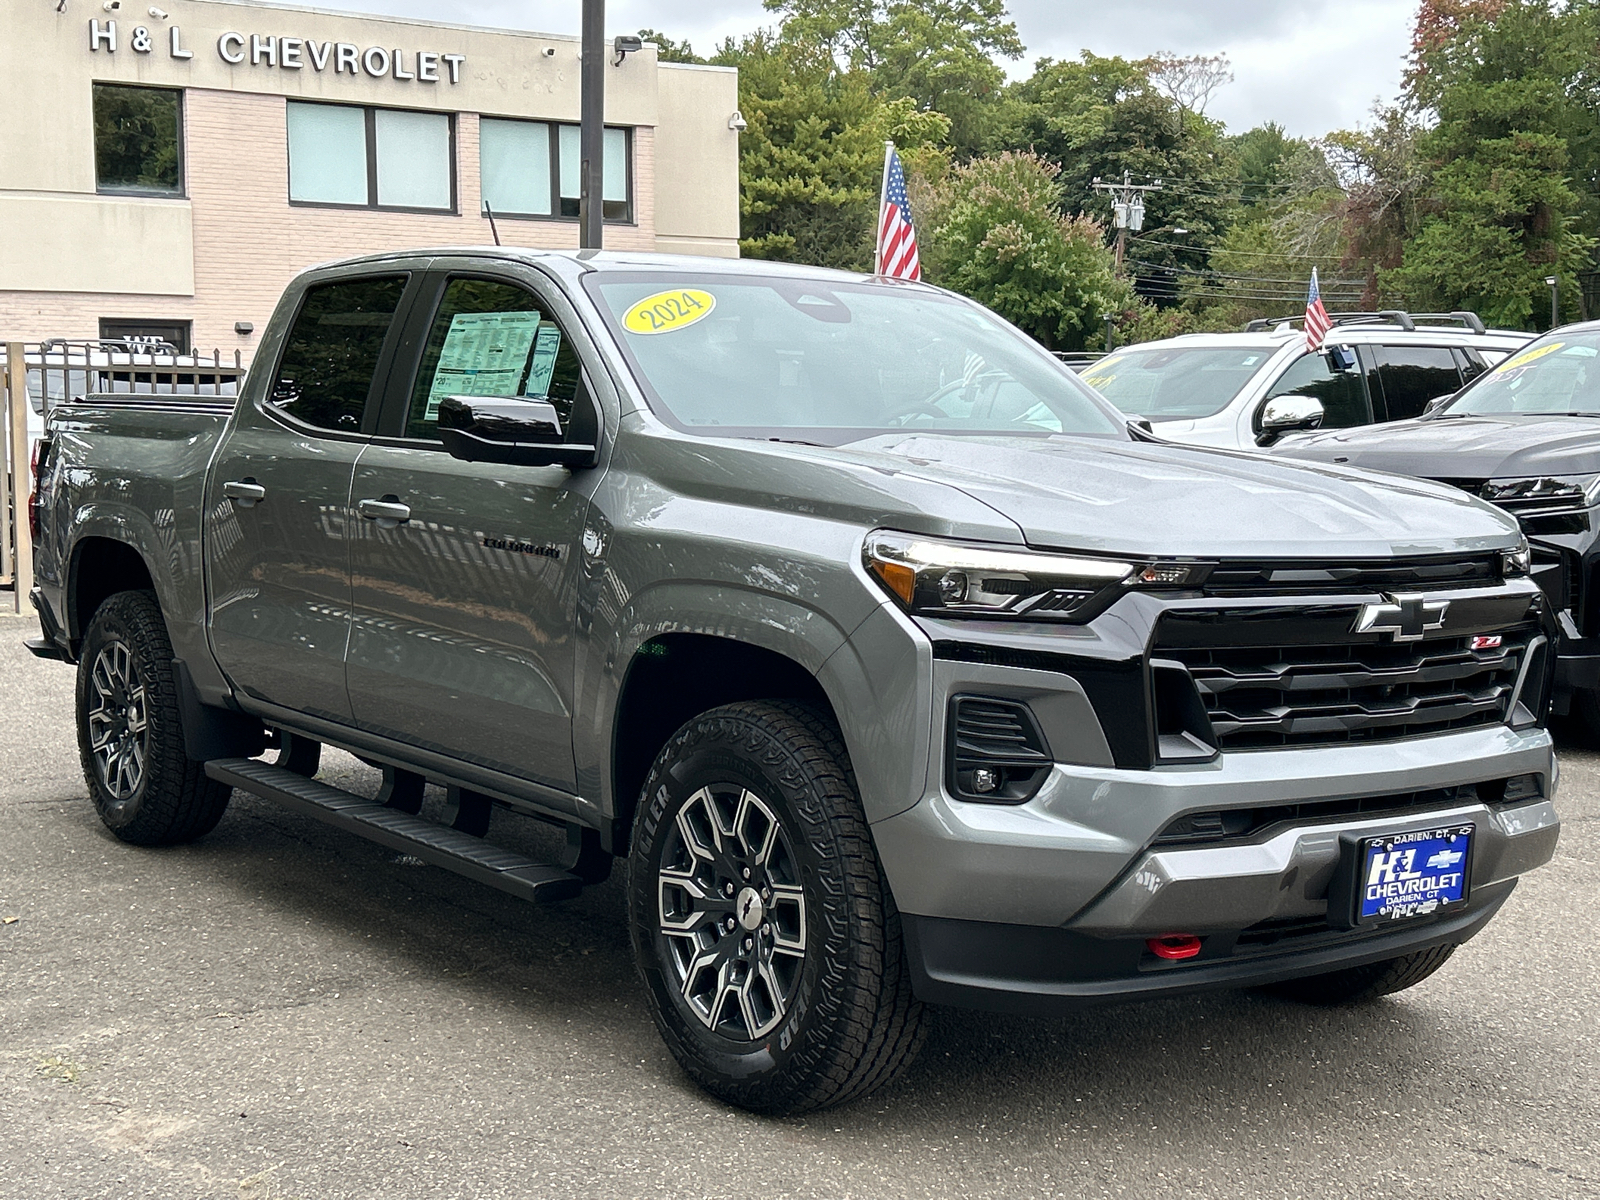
1500	447
1165	500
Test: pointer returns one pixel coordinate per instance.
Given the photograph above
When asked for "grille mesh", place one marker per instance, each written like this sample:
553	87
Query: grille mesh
1284	695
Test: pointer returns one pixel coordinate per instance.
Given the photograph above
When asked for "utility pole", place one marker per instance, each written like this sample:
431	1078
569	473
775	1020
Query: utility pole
591	132
1127	208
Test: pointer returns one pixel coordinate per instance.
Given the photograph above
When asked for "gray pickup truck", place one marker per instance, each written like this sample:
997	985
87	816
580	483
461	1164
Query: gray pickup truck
895	665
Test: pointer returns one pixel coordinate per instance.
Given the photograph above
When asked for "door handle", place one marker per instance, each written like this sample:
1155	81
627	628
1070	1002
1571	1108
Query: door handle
387	512
246	492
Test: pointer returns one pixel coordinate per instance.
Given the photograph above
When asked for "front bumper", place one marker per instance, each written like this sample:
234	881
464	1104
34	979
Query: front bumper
1049	904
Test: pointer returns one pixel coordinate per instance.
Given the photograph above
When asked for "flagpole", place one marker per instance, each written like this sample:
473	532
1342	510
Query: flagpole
883	198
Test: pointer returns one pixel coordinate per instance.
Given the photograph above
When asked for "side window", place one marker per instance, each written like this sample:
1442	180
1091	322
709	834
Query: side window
491	338
1471	363
1410	376
1344	401
332	352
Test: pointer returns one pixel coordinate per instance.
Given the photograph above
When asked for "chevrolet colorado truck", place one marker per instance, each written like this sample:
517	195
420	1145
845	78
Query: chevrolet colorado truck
896	667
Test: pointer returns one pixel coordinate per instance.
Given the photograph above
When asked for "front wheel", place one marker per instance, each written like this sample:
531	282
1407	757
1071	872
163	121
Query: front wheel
762	926
1358	985
146	789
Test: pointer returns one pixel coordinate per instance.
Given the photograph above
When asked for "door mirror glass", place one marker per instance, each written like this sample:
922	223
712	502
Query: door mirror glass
507	429
1293	413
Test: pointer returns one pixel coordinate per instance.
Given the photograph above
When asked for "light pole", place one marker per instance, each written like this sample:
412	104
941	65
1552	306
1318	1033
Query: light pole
591	131
1553	282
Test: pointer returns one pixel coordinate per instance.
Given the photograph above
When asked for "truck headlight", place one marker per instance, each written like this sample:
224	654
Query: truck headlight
1543	495
936	577
1514	563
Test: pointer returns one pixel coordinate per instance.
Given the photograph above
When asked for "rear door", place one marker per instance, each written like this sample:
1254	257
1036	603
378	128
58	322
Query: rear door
278	499
1405	378
466	574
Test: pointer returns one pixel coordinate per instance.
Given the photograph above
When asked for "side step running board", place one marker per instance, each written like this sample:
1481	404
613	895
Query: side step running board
428	840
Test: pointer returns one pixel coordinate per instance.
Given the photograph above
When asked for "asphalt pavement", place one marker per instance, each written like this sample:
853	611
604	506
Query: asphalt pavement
284	1012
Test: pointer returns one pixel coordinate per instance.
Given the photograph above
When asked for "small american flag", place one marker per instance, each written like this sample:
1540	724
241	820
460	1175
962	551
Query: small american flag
897	238
1318	323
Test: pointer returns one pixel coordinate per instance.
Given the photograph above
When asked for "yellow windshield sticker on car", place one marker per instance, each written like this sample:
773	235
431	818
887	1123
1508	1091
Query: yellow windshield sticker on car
1102	371
668	312
1528	356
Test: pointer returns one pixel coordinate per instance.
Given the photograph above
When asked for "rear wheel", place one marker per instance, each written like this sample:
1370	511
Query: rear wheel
1358	985
130	731
762	926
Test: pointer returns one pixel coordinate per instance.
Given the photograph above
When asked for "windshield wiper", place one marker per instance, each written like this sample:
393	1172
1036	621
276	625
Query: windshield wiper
800	442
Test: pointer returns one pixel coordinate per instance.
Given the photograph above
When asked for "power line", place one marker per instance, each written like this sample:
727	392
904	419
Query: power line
1316	258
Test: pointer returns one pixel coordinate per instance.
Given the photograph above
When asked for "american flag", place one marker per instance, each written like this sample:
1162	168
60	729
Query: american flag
897	238
1317	322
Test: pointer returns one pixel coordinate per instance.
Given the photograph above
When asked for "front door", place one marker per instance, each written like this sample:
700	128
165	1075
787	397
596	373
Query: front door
278	501
465	575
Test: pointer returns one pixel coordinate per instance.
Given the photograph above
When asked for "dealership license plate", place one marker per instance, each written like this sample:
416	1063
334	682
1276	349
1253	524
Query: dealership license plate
1402	875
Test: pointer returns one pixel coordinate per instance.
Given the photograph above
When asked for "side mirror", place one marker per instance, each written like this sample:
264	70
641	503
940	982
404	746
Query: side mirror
1437	403
507	429
1289	414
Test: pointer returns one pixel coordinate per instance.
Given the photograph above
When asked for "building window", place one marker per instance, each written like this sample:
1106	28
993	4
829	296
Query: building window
138	140
136	333
530	169
370	157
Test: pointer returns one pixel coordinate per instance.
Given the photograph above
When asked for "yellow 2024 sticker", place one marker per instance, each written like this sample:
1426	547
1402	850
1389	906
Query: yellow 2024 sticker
1528	356
666	312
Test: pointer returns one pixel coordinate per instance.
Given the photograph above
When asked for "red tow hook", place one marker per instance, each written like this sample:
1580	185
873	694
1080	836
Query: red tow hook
1174	946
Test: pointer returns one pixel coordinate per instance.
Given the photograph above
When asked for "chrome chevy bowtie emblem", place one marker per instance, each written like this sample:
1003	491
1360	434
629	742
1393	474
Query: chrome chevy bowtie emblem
1407	615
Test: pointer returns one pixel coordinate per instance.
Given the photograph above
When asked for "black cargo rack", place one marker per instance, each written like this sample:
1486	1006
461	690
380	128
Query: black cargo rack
1469	321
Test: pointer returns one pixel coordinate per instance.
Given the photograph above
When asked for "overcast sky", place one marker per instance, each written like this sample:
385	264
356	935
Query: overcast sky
1312	66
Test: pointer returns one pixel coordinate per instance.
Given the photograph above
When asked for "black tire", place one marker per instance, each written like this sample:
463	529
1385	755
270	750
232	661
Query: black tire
130	730
834	1019
1360	985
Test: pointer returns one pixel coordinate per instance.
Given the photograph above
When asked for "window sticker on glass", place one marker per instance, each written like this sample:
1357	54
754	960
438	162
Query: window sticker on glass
483	355
1528	356
545	348
667	312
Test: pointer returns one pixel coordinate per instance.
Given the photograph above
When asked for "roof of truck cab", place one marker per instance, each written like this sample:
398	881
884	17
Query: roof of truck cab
585	261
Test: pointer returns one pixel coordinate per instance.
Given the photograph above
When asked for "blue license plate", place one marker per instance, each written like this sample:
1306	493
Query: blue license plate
1405	875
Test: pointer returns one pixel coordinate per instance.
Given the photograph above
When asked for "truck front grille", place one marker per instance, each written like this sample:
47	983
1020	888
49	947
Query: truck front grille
1276	577
1290	695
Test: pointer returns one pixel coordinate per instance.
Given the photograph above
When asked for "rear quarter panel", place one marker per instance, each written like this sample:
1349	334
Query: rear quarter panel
133	472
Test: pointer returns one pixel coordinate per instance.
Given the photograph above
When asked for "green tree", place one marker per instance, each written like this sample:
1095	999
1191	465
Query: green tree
1099	117
811	161
940	54
996	232
1502	81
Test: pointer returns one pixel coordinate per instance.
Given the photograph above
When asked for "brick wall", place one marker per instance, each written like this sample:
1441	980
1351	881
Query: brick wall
249	241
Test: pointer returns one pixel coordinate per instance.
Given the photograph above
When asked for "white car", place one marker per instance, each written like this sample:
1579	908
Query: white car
1244	390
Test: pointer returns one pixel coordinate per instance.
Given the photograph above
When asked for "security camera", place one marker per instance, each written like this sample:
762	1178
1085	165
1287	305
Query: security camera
158	14
549	51
112	5
737	123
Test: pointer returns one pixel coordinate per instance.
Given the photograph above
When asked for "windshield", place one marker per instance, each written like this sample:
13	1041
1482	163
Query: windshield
832	362
1168	383
1557	374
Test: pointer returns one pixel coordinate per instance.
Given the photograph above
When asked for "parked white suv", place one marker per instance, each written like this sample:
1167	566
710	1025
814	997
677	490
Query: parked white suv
1244	390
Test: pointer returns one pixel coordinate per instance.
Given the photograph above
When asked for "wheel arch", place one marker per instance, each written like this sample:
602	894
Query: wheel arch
672	678
100	567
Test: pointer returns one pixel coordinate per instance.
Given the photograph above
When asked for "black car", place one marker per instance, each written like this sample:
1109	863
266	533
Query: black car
1526	437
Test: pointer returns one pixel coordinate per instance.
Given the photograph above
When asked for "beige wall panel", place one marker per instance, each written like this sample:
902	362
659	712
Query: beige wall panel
70	243
697	162
34	316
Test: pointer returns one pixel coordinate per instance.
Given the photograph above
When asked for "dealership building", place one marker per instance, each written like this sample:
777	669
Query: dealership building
165	169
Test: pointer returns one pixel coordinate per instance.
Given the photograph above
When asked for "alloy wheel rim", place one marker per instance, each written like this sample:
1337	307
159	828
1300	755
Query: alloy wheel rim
731	912
118	722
